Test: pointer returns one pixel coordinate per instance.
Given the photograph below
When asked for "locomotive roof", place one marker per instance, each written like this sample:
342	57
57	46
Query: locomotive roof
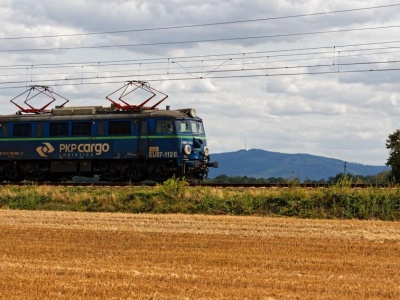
95	113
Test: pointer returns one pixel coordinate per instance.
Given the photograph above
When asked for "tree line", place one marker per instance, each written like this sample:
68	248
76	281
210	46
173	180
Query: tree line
380	178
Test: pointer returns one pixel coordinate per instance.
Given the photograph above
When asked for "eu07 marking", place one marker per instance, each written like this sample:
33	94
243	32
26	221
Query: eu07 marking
161	154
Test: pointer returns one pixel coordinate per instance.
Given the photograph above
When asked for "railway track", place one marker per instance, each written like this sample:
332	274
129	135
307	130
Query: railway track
204	184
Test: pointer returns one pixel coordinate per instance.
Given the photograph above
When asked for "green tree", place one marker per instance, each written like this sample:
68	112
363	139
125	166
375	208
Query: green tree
393	144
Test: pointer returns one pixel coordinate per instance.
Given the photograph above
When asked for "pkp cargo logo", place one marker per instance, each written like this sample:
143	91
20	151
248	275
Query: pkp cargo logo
44	150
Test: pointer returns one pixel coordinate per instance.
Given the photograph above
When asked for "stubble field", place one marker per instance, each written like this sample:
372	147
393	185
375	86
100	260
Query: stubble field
76	255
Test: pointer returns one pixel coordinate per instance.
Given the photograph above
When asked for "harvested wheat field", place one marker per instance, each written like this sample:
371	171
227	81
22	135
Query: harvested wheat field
68	255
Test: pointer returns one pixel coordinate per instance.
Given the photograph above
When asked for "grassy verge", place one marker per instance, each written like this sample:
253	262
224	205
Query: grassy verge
175	196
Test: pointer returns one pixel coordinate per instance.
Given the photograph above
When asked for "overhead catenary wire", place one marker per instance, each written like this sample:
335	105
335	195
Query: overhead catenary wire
145	72
107	70
216	56
251	60
84	80
199	41
294	55
204	24
218	77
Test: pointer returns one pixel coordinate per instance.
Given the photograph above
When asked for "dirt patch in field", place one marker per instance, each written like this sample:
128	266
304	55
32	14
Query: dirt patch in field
72	255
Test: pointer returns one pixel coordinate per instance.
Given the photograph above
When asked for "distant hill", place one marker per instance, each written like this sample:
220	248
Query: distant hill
265	164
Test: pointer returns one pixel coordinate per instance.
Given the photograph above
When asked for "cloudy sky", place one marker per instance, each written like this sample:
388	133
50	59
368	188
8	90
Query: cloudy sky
293	76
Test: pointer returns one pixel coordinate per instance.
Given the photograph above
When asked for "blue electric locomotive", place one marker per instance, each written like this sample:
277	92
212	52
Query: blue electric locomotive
118	143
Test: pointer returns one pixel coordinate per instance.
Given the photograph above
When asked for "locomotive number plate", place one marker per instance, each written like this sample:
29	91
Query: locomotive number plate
161	154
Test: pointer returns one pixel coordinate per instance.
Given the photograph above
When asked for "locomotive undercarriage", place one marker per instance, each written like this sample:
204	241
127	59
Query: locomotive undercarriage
105	170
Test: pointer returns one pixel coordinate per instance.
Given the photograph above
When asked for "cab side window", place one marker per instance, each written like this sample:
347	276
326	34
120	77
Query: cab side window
183	126
164	126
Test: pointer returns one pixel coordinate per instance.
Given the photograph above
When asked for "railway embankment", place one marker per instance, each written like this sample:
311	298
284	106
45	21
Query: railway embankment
176	196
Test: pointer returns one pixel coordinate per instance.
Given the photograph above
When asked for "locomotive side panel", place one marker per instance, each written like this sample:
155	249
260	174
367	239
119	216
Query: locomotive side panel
115	146
70	140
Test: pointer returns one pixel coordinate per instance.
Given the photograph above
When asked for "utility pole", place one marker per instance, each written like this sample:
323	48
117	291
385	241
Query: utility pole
345	166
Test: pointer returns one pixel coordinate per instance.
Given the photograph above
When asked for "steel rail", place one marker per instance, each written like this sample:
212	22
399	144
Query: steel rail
200	184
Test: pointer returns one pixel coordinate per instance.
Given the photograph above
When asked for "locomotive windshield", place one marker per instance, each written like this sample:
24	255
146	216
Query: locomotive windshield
189	126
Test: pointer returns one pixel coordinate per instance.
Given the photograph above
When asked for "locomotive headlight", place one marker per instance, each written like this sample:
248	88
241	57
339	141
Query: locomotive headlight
192	112
187	149
206	151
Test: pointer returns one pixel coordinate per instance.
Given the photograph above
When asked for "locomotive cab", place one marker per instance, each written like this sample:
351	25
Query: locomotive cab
193	143
178	136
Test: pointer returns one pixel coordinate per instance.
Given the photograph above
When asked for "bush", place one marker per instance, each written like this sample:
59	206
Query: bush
175	196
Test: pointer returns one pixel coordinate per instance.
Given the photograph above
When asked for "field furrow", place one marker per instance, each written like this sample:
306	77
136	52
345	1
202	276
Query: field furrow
75	255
